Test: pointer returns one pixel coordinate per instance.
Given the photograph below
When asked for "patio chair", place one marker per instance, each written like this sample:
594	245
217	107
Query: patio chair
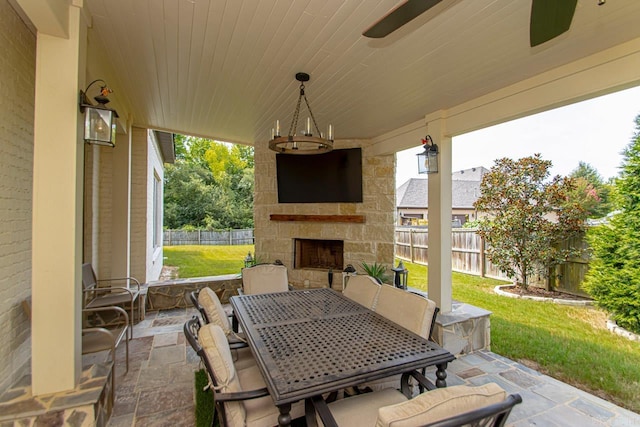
210	307
96	340
363	289
264	279
98	295
409	310
486	405
240	394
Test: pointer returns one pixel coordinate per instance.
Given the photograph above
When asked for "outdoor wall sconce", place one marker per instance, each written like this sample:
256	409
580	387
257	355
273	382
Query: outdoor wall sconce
99	120
428	159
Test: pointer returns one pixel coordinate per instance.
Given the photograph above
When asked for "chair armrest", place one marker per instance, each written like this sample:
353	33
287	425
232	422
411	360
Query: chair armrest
118	289
422	380
500	411
119	310
132	281
241	395
316	404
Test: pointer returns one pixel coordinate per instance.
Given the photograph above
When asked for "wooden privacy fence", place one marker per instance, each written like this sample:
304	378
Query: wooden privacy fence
206	237
468	255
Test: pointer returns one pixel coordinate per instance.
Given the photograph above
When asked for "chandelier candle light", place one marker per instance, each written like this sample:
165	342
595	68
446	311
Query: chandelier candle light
303	142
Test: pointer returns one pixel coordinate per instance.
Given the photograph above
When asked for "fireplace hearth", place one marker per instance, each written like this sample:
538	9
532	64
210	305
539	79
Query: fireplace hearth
318	254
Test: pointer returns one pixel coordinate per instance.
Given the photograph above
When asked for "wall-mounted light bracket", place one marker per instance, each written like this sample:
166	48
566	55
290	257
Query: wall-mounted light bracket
99	120
428	159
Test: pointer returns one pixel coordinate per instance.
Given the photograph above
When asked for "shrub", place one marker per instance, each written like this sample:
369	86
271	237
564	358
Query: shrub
613	279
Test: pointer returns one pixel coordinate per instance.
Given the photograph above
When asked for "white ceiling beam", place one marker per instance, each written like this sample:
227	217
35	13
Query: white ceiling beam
606	72
50	17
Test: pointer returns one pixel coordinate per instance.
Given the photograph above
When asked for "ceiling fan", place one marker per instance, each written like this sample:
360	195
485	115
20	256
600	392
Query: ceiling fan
549	18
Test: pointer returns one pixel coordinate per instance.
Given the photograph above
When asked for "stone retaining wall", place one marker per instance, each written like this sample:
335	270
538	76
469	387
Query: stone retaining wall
168	294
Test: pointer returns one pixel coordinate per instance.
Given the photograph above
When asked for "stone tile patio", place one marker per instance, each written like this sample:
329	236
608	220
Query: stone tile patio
158	389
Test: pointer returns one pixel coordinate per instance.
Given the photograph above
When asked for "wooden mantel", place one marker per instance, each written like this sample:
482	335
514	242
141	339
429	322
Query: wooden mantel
318	218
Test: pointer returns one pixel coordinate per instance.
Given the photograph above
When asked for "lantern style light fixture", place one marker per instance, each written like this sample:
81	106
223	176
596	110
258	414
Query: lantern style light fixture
304	141
99	120
400	276
428	159
249	261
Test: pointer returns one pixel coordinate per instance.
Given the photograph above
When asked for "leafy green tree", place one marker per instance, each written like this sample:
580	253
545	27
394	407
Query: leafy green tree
590	191
613	279
527	215
209	186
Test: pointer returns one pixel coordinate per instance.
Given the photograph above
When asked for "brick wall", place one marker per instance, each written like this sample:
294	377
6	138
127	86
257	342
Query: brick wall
369	242
17	88
139	153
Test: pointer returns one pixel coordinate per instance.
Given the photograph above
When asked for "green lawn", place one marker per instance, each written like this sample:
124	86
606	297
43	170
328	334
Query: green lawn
571	344
200	261
568	343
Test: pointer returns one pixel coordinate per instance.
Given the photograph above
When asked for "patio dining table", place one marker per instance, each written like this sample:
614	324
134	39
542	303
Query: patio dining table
310	342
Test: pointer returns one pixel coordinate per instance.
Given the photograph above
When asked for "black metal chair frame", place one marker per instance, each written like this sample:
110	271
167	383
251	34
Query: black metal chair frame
233	343
191	328
499	412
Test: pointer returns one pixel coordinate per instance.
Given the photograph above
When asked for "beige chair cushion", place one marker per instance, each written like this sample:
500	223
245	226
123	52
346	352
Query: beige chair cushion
408	310
216	348
261	412
242	358
213	307
362	410
439	404
362	289
264	279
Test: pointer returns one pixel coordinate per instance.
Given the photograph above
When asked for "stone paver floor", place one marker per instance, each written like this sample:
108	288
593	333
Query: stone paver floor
158	389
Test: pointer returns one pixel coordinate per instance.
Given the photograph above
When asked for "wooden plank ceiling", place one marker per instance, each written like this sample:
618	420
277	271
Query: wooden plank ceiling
225	68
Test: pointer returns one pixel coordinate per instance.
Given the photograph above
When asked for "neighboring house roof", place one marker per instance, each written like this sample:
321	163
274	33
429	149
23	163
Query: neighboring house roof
471	174
465	190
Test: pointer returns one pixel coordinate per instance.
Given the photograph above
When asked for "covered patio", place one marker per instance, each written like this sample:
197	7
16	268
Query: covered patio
224	69
158	390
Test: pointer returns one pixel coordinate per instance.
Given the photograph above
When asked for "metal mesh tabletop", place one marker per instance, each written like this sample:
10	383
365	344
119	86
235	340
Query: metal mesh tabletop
311	342
296	305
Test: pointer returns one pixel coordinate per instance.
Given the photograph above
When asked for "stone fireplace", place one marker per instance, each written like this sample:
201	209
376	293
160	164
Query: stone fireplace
318	253
365	230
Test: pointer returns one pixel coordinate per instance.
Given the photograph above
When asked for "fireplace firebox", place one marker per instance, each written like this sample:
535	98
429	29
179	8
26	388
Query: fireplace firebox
318	254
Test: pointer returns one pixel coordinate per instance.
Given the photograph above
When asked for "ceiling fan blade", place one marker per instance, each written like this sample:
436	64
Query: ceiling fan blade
549	19
398	16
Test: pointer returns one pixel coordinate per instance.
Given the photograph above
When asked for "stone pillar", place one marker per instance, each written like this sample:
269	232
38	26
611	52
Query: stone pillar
57	202
439	216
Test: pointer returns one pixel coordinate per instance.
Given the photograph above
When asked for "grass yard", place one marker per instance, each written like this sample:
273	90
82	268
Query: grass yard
571	344
567	343
200	261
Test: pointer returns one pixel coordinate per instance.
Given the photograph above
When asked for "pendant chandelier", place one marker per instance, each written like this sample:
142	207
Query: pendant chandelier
304	141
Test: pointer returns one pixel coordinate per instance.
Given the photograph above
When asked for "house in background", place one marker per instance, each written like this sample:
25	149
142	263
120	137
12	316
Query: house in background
412	198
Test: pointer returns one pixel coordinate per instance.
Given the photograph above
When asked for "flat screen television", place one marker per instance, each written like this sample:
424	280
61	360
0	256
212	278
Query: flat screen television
332	177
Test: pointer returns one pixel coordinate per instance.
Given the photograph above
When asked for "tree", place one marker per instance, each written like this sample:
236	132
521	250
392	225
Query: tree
209	186
590	191
613	279
527	215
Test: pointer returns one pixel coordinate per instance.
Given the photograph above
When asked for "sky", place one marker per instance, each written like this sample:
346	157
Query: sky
594	131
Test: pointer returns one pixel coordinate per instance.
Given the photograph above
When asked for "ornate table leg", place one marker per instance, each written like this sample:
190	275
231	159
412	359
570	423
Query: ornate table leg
284	419
441	375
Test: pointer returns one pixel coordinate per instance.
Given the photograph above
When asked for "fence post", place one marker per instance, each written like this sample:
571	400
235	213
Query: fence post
230	239
483	265
199	240
411	251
